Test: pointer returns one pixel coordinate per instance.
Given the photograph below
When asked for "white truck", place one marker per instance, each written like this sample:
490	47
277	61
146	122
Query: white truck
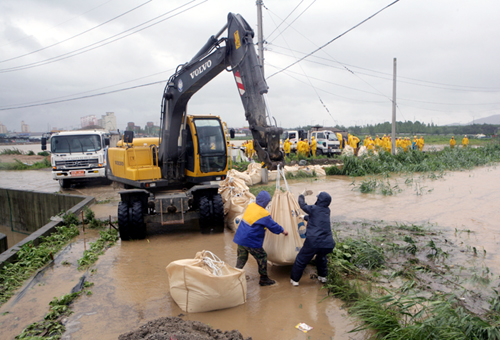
78	156
327	142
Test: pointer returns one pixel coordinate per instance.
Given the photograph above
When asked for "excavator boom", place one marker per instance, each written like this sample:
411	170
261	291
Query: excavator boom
235	53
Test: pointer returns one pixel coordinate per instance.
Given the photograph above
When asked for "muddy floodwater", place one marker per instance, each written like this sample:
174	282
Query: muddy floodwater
131	285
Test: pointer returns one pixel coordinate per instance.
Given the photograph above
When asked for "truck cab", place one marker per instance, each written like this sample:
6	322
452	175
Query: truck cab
293	136
78	156
327	143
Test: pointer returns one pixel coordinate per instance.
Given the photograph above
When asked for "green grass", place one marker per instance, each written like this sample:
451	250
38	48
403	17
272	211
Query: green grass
391	296
107	239
13	151
18	165
415	161
31	258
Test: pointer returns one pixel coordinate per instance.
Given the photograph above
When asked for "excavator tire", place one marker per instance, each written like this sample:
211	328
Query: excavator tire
137	221
218	213
205	214
123	221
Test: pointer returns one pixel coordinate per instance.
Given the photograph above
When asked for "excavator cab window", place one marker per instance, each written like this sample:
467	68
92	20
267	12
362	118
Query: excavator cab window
211	144
189	150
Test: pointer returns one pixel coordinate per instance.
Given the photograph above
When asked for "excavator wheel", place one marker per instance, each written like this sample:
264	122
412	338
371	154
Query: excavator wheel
218	213
205	213
137	221
123	221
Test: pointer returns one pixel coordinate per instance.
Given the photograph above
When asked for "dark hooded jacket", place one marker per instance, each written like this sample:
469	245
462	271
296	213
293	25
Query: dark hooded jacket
256	219
319	230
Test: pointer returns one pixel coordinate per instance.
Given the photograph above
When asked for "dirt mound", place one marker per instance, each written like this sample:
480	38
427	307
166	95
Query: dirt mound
177	329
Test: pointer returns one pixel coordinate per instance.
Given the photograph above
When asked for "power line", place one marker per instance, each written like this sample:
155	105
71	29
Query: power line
283	21
77	35
59	24
337	37
84	49
82	97
290	24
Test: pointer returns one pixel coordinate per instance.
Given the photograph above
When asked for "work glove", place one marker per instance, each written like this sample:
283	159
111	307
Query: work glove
307	192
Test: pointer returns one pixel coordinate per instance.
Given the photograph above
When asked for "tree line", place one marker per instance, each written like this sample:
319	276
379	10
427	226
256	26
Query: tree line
417	127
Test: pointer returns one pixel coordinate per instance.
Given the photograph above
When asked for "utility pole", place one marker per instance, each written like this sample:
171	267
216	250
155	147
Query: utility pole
260	34
393	135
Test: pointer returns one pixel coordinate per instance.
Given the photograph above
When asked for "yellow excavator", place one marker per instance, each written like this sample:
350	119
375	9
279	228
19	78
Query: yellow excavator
175	177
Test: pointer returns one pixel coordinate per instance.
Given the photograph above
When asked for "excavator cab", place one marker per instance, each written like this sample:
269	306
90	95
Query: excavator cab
175	175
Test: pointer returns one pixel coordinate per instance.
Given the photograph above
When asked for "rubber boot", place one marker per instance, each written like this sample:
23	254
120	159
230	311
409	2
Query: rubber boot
266	281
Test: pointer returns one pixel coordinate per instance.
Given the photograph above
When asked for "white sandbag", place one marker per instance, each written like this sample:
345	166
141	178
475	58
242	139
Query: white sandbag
291	169
271	175
242	175
205	283
362	151
238	206
285	210
348	151
255	172
319	170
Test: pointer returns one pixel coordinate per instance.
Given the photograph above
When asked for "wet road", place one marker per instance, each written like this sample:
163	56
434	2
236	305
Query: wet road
131	285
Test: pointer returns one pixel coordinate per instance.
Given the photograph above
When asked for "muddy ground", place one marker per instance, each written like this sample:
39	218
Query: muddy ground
178	329
131	286
22	158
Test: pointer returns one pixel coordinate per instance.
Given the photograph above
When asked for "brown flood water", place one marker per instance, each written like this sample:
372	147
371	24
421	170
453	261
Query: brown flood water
131	285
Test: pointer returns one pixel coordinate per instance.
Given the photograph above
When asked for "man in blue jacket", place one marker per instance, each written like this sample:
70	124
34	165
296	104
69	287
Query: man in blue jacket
250	235
319	240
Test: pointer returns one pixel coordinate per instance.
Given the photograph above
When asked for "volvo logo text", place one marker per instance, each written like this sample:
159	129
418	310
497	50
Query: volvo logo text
201	69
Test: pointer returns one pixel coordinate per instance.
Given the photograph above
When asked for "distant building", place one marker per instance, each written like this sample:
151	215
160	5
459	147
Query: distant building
3	128
24	127
88	121
130	126
108	121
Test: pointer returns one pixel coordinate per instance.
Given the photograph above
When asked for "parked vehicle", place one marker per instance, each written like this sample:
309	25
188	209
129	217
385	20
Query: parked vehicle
78	156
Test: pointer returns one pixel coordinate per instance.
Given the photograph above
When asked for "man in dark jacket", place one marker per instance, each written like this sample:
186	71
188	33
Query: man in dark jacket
250	235
319	240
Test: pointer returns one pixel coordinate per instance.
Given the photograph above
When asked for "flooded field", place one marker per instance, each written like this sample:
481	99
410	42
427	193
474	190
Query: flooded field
131	285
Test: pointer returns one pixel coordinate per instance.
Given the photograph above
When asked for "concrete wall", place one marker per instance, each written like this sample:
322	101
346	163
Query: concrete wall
28	211
37	200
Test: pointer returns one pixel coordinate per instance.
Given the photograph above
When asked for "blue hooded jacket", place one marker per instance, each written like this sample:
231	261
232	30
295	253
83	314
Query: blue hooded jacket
319	230
256	219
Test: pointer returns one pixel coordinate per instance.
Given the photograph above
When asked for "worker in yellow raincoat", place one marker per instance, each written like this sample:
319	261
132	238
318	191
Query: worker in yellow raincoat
314	146
465	141
300	148
370	145
250	148
453	142
378	143
306	148
339	137
287	147
421	143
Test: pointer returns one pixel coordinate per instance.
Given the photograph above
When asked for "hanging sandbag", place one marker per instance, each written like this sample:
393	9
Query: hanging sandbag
206	283
285	210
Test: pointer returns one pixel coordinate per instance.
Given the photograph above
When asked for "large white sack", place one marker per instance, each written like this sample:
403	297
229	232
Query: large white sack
242	175
285	210
197	287
238	206
348	151
254	170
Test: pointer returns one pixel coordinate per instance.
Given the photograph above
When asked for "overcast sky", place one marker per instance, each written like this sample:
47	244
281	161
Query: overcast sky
448	60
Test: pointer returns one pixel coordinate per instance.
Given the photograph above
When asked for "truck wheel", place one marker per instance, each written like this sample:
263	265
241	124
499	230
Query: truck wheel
319	152
137	221
123	221
64	183
218	213
205	214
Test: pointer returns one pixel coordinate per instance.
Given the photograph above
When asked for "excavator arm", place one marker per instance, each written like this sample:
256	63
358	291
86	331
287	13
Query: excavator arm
235	53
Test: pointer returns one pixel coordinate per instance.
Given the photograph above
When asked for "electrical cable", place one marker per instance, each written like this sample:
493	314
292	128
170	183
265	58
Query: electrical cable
337	37
69	54
82	97
77	35
293	20
59	24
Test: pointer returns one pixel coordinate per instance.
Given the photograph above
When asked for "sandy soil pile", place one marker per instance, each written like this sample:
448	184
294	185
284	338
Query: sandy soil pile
177	329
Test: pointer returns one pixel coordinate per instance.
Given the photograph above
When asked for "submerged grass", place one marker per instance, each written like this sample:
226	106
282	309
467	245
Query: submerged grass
30	258
416	161
392	297
18	165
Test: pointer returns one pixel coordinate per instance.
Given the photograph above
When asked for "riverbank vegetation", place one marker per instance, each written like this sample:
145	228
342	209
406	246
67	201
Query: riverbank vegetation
416	161
31	258
410	282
